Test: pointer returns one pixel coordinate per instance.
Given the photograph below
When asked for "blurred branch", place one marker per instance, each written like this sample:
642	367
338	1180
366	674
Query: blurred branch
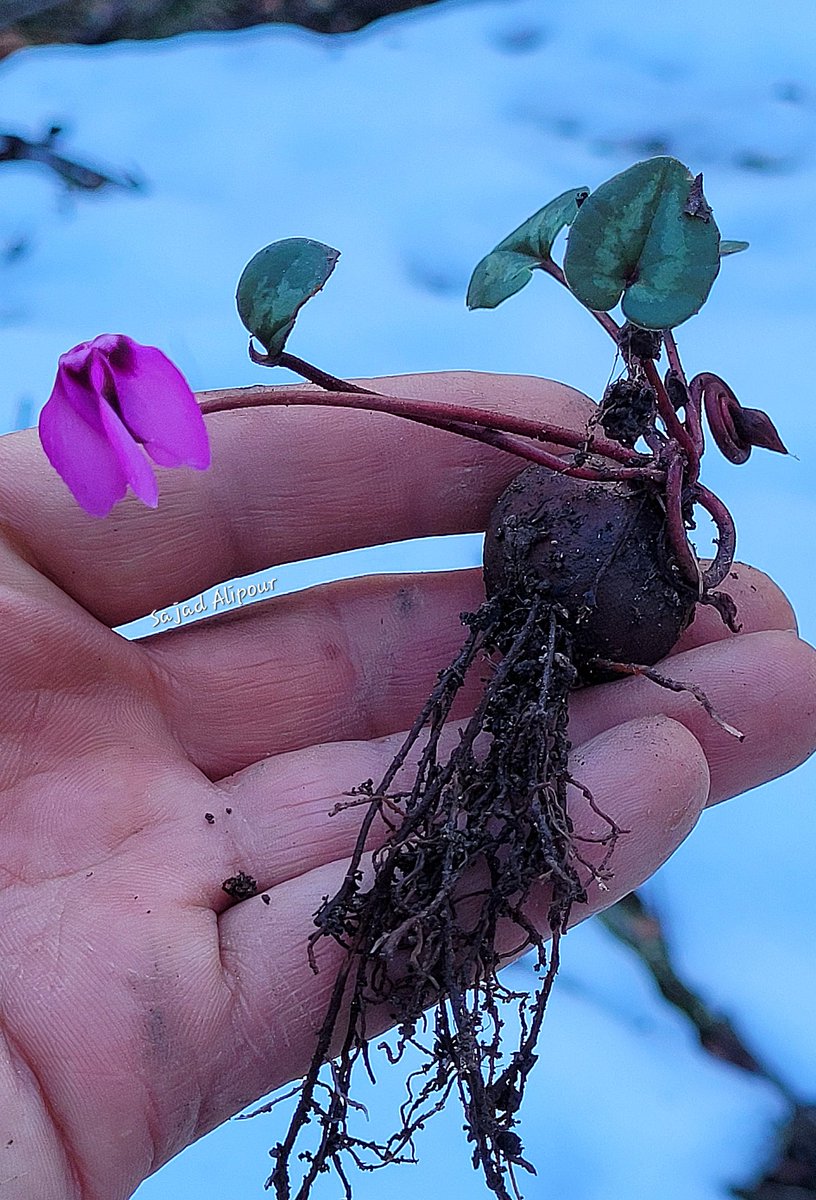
792	1176
791	1173
76	175
639	927
91	22
18	10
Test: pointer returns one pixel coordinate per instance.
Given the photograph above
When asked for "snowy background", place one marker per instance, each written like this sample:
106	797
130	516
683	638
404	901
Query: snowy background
413	147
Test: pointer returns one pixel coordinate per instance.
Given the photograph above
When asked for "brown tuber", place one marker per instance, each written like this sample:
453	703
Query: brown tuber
600	551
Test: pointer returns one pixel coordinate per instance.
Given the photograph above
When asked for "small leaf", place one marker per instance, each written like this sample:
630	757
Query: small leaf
508	267
498	276
646	235
275	285
732	247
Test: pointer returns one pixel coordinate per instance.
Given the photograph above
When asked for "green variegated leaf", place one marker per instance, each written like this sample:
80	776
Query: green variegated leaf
646	238
508	267
275	285
732	248
498	276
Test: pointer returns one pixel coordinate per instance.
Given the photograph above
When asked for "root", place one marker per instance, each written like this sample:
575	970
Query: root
466	845
673	685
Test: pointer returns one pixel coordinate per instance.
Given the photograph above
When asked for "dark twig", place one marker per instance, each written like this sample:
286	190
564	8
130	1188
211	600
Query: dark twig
76	175
638	926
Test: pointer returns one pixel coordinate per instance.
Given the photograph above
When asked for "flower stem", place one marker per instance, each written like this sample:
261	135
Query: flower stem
498	431
685	556
693	409
457	418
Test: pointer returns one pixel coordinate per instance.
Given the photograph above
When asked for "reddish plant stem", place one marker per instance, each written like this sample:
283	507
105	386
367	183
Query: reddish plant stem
686	558
301	367
514	445
400	406
673	356
726	539
694	424
694	416
674	426
720	402
498	431
459	412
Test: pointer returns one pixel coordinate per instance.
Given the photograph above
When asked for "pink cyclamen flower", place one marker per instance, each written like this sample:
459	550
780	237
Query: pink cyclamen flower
112	400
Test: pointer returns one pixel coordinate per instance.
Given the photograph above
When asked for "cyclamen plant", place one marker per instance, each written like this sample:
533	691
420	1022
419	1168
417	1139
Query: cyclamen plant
589	575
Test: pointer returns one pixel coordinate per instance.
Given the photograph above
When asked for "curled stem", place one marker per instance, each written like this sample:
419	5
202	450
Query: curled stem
735	429
721	406
726	536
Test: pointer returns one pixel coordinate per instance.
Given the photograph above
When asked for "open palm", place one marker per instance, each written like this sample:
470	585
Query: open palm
141	1005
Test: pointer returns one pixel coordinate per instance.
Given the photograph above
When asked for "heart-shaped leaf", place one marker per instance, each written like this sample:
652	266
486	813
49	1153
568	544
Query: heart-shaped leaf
732	247
648	236
275	285
508	267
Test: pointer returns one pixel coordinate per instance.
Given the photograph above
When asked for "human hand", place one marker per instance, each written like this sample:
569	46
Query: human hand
141	1006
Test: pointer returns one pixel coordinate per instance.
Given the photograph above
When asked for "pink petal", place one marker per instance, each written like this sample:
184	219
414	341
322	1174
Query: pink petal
158	407
78	448
131	457
76	359
132	462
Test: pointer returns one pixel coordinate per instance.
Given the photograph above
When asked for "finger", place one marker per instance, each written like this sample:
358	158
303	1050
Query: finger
285	484
348	661
764	684
649	776
760	604
344	661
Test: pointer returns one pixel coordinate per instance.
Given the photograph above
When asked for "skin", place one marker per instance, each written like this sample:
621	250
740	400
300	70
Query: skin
139	1005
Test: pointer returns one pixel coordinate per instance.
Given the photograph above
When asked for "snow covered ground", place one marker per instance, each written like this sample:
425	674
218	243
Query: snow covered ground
413	147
